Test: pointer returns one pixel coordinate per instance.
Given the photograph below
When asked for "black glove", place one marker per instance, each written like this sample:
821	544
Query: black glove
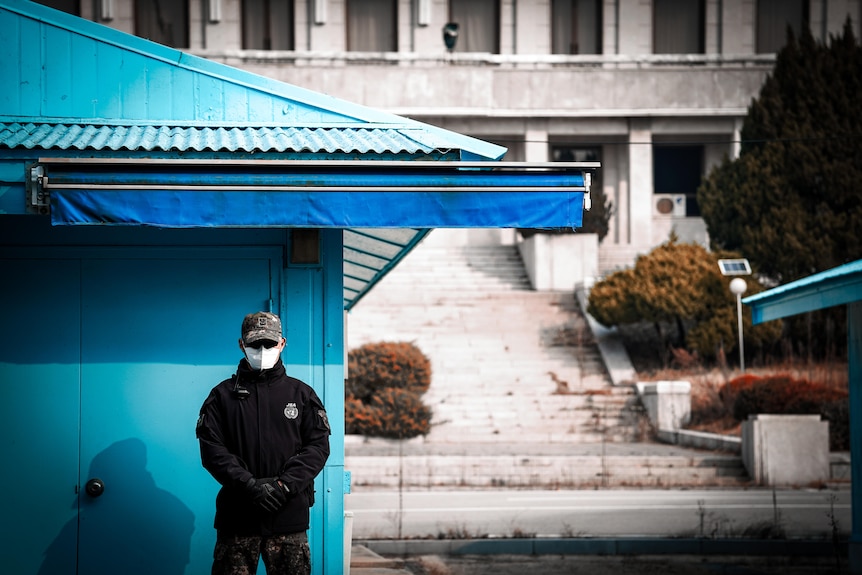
266	493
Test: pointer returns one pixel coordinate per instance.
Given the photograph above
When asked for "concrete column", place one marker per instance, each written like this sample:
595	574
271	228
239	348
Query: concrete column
736	144
536	143
620	174
668	403
640	184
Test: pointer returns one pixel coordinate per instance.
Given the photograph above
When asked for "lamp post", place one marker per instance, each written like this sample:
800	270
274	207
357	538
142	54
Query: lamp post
738	287
737	267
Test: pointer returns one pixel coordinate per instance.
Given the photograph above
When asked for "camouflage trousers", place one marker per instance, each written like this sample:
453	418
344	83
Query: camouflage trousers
282	554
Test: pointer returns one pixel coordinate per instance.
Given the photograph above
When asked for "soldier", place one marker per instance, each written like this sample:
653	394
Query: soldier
264	436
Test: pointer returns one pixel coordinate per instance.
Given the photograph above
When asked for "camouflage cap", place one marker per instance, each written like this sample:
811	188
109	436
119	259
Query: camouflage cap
261	325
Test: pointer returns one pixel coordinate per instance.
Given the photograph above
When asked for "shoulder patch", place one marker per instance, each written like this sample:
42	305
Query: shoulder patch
321	413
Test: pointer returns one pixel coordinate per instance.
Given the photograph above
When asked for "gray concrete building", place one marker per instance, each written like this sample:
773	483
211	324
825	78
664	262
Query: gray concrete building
654	89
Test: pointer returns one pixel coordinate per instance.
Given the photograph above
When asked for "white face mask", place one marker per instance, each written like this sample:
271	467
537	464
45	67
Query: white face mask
262	358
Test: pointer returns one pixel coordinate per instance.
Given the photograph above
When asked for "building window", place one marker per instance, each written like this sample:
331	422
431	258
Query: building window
478	25
69	6
576	26
678	27
773	19
267	25
372	26
677	172
163	21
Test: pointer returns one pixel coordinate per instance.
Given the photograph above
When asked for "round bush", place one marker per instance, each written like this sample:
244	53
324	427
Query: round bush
402	413
392	413
359	418
377	366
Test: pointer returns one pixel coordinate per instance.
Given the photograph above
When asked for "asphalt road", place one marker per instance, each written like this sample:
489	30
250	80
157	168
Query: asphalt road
599	513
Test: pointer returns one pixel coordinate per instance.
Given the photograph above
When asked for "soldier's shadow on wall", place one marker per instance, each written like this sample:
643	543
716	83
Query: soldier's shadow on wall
133	527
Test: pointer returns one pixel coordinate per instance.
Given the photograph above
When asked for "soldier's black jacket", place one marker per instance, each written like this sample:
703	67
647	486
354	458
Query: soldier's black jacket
263	424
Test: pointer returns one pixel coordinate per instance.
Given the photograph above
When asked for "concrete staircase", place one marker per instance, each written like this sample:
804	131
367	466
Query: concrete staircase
509	364
520	395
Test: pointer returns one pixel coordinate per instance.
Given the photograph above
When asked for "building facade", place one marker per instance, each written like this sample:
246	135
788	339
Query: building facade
656	90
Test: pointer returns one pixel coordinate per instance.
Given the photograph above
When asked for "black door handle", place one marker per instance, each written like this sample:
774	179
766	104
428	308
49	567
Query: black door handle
94	487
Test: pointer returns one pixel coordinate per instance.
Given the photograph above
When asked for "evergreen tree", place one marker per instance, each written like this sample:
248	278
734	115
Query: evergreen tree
792	201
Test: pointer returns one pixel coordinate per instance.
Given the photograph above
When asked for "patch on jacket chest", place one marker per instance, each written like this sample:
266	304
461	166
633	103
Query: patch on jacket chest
291	411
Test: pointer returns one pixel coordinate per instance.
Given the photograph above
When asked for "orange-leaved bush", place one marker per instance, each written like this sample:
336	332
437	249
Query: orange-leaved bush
383	391
376	366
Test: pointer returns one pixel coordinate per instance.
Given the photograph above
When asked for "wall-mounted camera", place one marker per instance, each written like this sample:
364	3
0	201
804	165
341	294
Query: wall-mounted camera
450	35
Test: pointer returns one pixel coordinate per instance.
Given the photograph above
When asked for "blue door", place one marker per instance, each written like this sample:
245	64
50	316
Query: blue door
145	335
40	417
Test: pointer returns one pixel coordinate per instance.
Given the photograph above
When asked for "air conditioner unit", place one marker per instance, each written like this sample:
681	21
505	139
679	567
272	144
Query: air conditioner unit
669	205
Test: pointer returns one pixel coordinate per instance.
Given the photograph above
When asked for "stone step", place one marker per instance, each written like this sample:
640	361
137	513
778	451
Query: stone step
543	471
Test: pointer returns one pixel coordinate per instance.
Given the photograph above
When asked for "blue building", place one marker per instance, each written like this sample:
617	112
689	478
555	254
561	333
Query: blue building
150	199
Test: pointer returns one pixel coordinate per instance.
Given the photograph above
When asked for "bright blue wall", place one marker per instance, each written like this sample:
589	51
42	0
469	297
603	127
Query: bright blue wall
117	335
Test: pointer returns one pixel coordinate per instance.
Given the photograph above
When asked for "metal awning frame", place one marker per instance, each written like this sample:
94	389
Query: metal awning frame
127	174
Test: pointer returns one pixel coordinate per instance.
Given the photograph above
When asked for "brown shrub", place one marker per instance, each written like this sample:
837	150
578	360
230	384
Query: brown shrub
728	392
376	366
383	391
393	413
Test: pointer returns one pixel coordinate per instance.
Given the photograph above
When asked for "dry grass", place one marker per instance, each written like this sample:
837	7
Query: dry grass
709	412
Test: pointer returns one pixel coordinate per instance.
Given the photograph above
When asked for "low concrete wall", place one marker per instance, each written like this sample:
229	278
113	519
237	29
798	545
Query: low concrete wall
701	440
559	262
668	403
786	449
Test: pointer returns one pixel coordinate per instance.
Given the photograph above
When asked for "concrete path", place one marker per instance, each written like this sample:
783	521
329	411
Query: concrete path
607	557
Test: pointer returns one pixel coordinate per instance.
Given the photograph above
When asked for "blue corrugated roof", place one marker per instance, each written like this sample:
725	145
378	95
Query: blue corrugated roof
47	136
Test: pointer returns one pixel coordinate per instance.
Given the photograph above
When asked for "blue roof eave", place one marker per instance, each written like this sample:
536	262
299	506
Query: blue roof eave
837	286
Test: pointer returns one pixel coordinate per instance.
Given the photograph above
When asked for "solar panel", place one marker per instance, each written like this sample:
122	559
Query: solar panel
734	267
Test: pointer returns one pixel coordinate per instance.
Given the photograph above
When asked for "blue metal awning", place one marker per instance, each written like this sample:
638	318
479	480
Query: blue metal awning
339	194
